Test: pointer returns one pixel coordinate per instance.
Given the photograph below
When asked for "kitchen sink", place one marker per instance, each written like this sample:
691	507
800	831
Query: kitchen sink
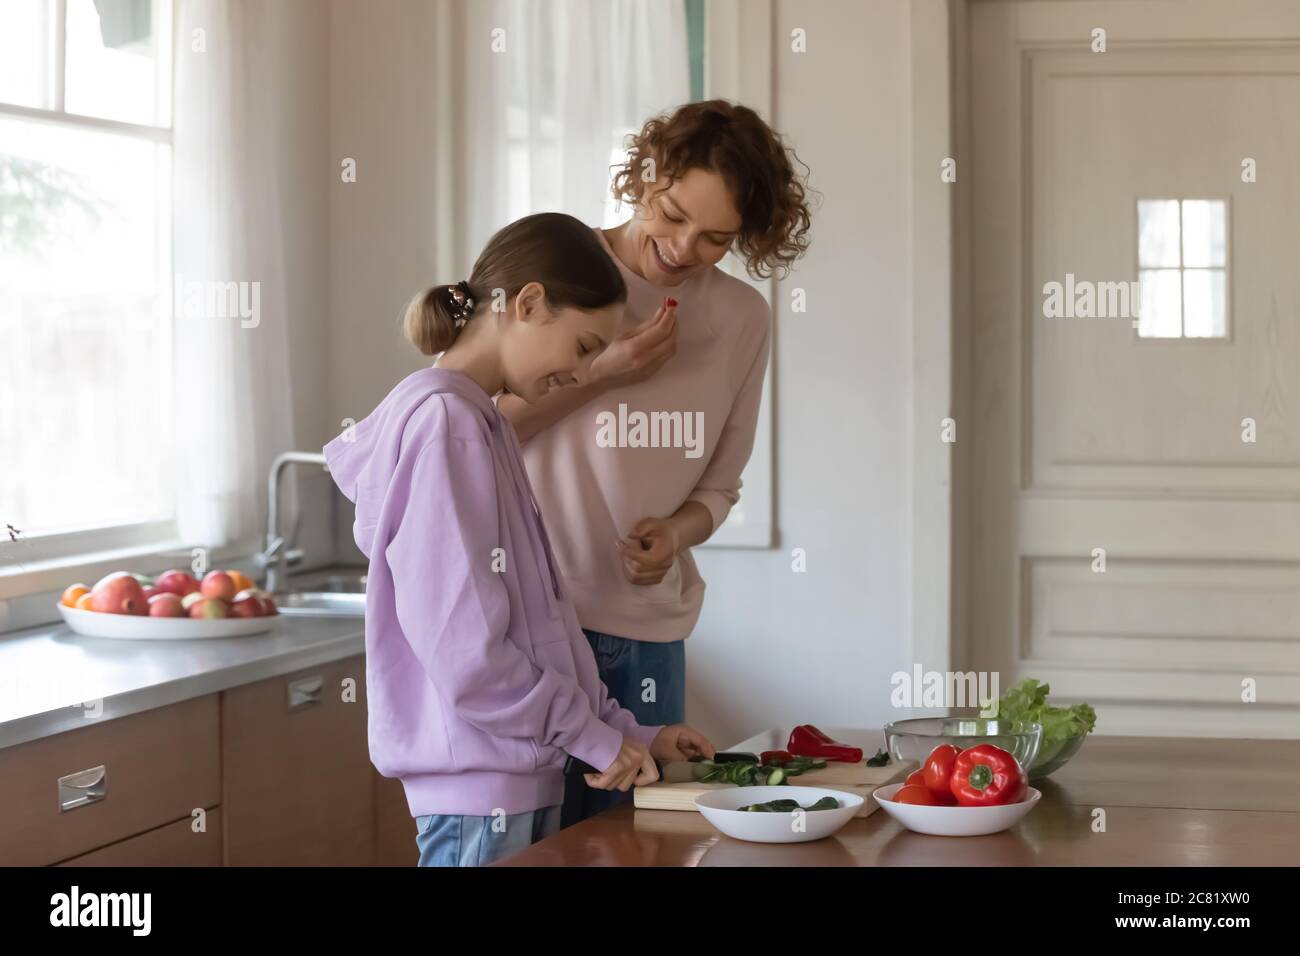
330	593
340	584
322	603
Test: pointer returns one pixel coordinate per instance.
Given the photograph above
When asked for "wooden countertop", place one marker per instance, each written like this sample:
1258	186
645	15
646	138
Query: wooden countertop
1168	801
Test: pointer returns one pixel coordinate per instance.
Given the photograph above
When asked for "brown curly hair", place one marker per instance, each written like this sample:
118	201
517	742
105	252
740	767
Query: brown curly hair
734	142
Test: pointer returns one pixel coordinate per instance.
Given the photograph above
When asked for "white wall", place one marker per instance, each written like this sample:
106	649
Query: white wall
775	647
381	227
386	230
299	44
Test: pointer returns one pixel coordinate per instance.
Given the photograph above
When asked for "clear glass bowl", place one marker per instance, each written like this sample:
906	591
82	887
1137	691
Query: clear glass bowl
911	741
1054	756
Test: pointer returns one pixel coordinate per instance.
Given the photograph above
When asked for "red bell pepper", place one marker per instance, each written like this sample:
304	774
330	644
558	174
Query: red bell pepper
775	758
807	741
987	776
937	769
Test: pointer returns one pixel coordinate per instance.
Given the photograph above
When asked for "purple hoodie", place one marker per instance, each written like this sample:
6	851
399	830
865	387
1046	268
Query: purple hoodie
478	675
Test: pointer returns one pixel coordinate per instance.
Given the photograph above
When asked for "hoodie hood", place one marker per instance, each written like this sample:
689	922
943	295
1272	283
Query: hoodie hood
363	459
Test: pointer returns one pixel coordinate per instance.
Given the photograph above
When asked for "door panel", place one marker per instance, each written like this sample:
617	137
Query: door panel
1091	441
1114	411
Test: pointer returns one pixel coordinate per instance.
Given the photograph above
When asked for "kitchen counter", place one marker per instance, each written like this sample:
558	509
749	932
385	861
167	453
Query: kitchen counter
52	680
1167	801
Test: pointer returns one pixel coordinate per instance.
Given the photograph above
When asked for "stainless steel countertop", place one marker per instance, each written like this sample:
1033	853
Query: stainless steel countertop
52	680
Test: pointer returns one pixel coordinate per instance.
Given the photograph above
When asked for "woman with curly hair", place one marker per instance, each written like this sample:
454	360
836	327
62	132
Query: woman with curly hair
641	459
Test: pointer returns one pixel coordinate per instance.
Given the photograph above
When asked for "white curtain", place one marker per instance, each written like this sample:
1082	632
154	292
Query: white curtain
535	127
234	412
549	97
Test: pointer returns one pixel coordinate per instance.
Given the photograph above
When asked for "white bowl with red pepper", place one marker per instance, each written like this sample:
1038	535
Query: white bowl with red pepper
961	792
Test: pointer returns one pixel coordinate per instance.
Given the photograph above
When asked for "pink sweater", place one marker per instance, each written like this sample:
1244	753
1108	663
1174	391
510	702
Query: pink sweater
682	435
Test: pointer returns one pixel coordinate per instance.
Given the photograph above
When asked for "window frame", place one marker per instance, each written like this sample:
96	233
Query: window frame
28	559
1228	324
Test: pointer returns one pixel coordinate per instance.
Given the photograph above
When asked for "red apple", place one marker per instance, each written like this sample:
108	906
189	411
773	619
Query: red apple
191	599
150	592
253	602
209	608
218	584
176	582
166	604
119	593
247	603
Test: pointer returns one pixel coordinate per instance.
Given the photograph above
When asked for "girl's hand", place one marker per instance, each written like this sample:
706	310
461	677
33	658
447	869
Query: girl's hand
632	767
649	550
640	353
680	742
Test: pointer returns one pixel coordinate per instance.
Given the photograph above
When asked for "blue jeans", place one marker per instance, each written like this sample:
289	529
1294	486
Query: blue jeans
447	839
625	665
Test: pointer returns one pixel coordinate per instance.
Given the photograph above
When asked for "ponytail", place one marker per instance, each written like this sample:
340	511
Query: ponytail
430	321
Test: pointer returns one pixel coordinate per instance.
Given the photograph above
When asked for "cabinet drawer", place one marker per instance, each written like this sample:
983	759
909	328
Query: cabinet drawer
394	825
175	844
296	774
158	766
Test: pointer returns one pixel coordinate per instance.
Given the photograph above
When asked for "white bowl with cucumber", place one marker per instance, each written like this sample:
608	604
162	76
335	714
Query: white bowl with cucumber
781	814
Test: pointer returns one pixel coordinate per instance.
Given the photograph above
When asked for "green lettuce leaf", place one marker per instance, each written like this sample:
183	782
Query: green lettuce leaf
1028	701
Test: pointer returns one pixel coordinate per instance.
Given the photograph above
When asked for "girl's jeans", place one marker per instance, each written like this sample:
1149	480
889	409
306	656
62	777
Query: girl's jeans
452	840
627	666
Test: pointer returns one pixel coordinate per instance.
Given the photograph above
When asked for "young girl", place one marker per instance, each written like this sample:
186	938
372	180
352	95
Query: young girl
478	676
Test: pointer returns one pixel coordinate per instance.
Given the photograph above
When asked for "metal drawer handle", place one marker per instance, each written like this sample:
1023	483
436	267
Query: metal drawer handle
83	787
305	692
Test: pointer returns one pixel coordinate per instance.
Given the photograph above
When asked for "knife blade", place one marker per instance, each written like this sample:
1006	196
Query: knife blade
670	771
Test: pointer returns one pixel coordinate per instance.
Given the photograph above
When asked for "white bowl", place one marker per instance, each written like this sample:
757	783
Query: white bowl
954	821
134	627
722	809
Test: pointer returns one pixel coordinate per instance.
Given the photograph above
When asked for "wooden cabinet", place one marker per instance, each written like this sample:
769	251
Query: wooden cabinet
394	825
176	844
281	767
63	796
297	783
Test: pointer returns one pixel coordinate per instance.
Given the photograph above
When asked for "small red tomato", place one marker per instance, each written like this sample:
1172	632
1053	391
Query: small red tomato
916	779
938	768
920	796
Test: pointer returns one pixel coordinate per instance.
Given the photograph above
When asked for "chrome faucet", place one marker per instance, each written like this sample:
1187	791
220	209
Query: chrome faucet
276	553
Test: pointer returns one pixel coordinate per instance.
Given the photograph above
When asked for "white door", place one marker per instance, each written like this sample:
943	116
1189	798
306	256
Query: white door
1154	444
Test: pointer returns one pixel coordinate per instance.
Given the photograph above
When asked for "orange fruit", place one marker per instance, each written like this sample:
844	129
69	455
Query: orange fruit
83	602
73	594
241	580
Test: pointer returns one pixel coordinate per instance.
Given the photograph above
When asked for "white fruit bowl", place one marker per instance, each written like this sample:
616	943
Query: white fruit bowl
954	821
722	809
132	627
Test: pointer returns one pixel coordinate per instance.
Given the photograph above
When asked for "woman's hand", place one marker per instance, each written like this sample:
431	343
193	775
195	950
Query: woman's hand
632	767
649	550
640	353
680	742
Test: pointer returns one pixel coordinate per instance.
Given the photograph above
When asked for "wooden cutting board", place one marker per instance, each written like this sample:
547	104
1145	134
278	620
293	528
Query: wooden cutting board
851	777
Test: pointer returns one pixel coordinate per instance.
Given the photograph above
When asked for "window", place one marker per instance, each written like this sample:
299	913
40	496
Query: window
1182	268
85	246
